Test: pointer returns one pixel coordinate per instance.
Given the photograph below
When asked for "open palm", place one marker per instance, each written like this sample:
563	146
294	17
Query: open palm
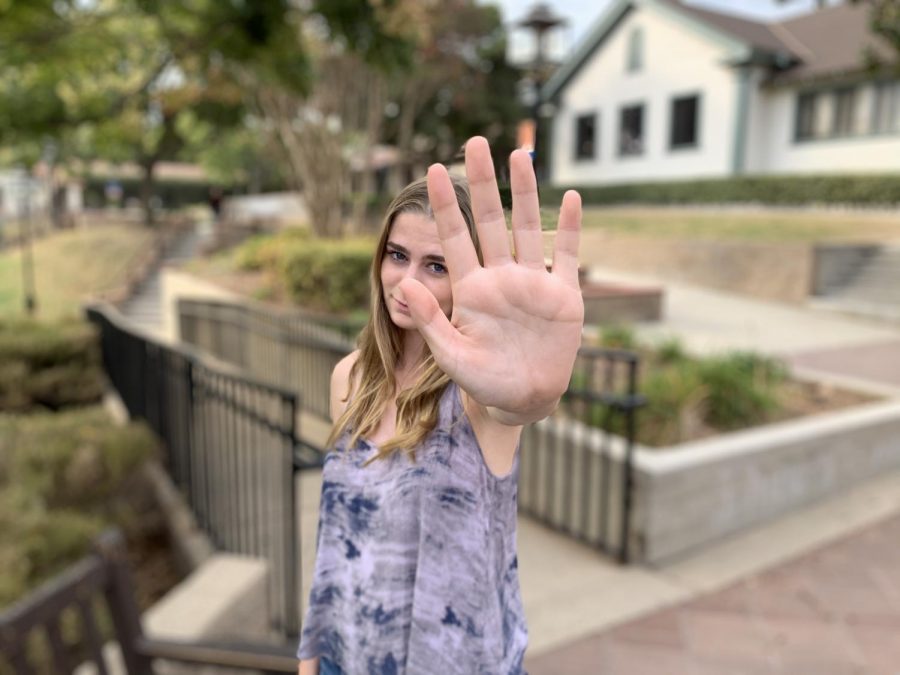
515	328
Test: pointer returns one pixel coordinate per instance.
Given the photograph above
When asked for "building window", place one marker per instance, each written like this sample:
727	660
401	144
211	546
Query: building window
843	122
631	130
806	117
585	137
685	115
634	60
886	107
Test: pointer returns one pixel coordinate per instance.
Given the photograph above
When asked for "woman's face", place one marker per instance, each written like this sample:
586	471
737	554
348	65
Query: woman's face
413	250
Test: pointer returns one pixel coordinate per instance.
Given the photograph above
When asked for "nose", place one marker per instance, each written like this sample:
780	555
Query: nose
413	271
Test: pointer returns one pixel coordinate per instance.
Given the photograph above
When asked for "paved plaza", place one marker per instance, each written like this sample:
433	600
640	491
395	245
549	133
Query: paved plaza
815	592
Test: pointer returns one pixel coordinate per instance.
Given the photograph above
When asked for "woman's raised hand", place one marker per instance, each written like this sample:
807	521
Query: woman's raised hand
515	328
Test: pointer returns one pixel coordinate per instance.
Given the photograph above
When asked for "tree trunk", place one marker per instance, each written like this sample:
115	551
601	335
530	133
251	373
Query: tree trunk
148	165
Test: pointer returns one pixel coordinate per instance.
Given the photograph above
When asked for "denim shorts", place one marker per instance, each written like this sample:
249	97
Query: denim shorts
327	667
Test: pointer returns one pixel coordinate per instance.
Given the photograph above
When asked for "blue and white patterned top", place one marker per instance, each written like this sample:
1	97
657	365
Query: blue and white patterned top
416	569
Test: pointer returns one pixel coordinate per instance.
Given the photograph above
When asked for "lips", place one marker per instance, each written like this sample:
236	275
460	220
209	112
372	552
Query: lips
402	306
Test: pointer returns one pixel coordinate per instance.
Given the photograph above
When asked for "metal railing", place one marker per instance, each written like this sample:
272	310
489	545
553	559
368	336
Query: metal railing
293	350
575	467
69	610
229	444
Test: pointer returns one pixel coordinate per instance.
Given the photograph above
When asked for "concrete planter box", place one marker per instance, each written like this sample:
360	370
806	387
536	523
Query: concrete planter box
688	496
612	303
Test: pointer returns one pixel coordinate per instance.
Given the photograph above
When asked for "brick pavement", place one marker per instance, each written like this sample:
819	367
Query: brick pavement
876	362
833	611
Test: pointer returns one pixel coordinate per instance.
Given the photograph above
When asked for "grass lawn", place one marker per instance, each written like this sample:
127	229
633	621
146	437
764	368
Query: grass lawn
70	265
768	225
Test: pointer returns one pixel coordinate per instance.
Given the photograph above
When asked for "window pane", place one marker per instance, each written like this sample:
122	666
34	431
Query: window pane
684	122
631	134
844	120
806	116
585	142
886	111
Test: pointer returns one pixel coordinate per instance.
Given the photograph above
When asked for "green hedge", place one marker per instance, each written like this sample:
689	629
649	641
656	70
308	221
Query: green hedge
879	190
63	478
718	393
328	275
173	193
48	365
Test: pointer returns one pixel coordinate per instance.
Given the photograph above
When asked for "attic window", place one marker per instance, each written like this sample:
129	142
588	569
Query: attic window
635	57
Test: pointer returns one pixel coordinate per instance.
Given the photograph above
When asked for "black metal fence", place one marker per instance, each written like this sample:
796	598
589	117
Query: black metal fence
295	350
60	627
229	442
575	468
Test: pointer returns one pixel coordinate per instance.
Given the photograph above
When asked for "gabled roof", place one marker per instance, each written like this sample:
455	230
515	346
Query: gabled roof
830	41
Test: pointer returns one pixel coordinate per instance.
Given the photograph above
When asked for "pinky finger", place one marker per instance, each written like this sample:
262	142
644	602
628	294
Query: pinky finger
568	231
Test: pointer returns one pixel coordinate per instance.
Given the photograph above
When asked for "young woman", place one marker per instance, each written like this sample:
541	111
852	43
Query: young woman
416	568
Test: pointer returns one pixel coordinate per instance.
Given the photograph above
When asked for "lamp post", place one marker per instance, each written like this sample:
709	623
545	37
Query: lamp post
540	21
28	285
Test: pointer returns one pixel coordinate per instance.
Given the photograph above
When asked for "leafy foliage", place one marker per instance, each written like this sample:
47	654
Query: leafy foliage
61	480
53	366
689	397
863	190
329	275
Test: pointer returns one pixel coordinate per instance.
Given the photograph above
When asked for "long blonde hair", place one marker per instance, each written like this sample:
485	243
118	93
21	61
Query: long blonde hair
380	345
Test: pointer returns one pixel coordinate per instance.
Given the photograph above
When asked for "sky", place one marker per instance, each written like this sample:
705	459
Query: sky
581	15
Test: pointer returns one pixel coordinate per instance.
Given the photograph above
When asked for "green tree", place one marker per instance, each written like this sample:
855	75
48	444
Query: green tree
148	80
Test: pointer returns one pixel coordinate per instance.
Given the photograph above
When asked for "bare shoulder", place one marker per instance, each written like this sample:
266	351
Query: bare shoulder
340	384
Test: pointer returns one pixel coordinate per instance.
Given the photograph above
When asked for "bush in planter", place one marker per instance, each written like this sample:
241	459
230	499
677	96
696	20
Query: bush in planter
329	275
62	477
52	365
741	388
265	251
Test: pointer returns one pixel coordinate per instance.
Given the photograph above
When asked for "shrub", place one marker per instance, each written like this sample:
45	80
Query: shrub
781	190
52	365
265	251
616	336
741	388
61	482
329	275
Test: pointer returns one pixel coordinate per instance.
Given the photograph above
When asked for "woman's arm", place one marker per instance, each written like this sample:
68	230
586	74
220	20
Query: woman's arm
309	667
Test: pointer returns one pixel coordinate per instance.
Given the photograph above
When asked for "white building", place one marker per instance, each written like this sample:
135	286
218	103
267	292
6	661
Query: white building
659	91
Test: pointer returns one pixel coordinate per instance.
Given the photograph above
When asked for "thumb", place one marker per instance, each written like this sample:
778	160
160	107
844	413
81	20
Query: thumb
431	322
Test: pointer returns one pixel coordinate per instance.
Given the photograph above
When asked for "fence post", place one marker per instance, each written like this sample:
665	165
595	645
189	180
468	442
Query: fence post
627	478
294	579
125	613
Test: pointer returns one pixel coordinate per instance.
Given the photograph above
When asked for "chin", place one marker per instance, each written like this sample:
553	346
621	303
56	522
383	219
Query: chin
402	321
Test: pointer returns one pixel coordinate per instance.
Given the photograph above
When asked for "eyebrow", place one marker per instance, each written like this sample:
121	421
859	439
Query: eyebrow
405	251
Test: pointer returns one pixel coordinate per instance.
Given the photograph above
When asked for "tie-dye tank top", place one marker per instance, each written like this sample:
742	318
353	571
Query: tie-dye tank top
416	569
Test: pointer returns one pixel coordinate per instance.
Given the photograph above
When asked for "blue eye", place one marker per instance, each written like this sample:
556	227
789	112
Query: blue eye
437	268
396	255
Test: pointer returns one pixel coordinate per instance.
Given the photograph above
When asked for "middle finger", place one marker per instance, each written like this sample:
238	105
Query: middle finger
486	205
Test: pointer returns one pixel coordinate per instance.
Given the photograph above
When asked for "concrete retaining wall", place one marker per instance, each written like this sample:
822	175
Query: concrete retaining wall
691	495
776	271
696	493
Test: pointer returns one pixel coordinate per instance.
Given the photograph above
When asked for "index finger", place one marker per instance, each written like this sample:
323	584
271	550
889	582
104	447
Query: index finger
459	251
